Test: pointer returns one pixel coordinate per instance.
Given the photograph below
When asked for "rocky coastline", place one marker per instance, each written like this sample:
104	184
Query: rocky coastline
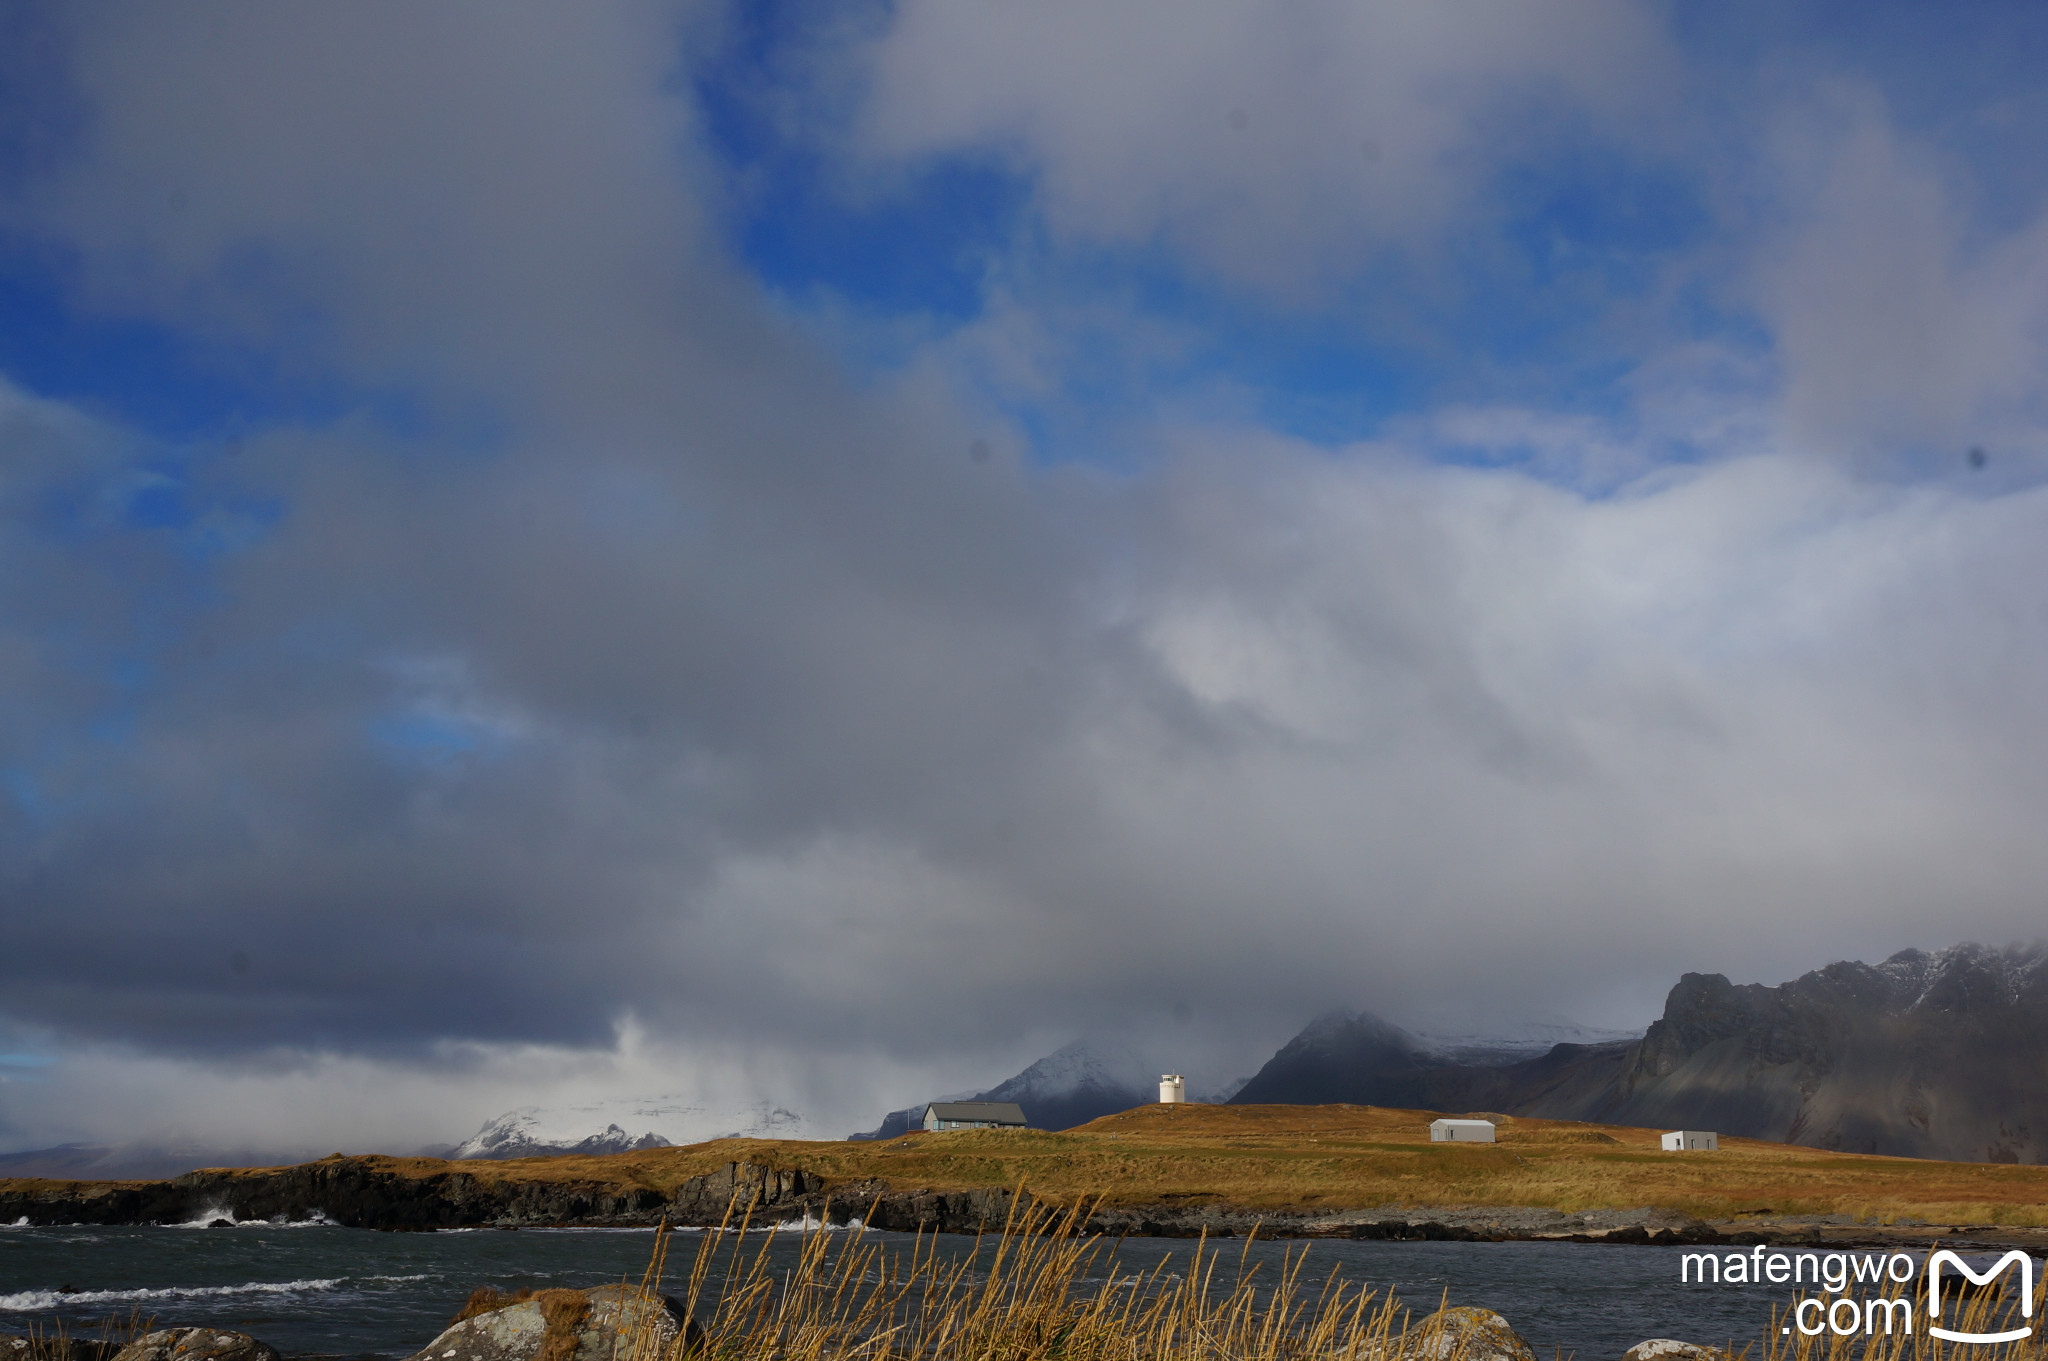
365	1193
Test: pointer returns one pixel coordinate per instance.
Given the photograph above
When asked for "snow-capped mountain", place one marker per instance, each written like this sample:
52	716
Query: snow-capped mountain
514	1135
624	1126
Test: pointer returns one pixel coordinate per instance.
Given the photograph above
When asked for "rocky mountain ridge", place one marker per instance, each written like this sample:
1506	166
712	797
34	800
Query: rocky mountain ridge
1927	1054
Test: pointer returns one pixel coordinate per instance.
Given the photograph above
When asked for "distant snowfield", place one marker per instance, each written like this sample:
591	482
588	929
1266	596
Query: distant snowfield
624	1124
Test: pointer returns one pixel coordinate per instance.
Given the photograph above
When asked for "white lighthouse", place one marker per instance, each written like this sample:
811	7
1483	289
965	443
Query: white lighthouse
1173	1089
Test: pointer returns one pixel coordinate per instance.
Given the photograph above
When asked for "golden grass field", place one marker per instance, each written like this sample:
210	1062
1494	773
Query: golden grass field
1353	1157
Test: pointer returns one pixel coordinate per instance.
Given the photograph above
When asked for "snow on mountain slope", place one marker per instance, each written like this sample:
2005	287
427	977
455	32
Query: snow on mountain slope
1105	1065
625	1125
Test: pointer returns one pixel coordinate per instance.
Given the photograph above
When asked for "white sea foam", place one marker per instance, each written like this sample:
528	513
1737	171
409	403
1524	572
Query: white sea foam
315	1219
807	1224
30	1301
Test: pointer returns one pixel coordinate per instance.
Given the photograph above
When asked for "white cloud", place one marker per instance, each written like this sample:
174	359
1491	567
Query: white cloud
1272	145
1910	329
837	759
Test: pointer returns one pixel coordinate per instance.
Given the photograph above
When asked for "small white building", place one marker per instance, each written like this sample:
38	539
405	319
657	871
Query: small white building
1691	1141
1461	1131
1173	1089
941	1115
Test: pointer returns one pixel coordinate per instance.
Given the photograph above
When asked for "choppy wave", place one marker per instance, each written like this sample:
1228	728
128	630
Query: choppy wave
28	1301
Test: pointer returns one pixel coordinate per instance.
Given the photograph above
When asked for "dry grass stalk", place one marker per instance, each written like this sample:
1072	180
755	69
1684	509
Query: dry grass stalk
1041	1289
55	1342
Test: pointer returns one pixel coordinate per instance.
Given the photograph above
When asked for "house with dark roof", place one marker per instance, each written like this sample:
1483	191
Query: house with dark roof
973	1115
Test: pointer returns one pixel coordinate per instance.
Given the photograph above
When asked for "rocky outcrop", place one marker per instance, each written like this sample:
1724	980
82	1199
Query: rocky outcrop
196	1344
1467	1334
607	1324
1667	1349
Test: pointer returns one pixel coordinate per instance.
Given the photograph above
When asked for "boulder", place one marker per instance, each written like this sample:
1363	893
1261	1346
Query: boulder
610	1323
196	1344
1669	1349
1468	1334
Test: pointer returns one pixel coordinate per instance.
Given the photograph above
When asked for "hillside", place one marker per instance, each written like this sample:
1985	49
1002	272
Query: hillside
1925	1055
1166	1161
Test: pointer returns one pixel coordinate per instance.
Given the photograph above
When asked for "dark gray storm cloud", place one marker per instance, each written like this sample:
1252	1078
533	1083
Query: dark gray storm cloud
615	674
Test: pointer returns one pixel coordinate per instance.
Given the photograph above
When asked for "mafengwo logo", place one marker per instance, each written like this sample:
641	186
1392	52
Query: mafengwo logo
1947	1258
1836	1310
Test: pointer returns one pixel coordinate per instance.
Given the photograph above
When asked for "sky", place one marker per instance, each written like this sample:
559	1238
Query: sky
815	553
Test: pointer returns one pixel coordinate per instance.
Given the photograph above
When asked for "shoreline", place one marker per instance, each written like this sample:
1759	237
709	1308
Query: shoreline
354	1193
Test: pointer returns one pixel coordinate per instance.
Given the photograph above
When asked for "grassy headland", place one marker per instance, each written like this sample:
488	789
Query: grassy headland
1362	1157
1318	1159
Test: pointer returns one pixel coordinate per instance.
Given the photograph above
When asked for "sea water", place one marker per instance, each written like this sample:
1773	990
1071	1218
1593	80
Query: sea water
355	1293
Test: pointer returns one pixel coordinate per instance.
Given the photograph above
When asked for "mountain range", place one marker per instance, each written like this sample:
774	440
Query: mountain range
1934	1055
1930	1055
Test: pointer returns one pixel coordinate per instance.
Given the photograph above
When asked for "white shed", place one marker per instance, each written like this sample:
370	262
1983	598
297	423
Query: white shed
1173	1089
1461	1131
1691	1141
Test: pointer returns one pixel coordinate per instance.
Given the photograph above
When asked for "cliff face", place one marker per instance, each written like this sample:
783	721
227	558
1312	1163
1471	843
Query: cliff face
1938	1055
1928	1055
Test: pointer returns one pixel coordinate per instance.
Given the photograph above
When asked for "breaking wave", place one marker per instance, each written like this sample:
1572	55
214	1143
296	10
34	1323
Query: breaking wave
206	1219
27	1301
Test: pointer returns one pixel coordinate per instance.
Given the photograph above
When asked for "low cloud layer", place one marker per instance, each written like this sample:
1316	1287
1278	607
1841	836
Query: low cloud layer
581	676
